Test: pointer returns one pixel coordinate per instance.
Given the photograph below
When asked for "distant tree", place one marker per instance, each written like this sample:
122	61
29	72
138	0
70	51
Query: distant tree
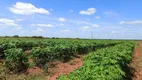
37	36
16	36
47	37
55	38
7	36
25	37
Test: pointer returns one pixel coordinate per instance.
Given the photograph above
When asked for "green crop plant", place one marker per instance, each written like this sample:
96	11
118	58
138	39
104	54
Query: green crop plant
104	64
15	60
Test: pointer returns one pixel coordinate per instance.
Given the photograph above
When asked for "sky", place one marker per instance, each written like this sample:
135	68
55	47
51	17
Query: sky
98	19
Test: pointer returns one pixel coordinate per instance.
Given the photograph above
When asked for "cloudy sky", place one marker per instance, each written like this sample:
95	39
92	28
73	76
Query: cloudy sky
105	19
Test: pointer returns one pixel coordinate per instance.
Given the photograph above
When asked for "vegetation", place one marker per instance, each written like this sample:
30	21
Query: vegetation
104	64
15	60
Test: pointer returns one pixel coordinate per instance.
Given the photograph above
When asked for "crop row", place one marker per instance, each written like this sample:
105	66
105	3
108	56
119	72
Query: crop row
16	60
104	64
28	44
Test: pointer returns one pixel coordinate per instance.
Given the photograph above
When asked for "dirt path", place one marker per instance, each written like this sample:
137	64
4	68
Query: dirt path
137	62
64	68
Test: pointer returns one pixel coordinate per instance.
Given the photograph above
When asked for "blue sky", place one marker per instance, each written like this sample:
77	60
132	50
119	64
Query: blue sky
106	19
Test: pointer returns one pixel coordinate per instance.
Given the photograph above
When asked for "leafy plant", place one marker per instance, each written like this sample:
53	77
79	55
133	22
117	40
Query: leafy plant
104	64
15	60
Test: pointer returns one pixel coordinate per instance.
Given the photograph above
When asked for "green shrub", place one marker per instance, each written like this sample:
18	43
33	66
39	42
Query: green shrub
41	56
15	60
104	64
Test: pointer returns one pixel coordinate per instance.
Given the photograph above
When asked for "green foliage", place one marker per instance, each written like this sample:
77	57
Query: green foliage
41	56
43	51
15	60
104	64
16	36
46	67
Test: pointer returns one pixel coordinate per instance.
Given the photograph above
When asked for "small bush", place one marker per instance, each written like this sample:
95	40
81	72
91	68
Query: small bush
16	60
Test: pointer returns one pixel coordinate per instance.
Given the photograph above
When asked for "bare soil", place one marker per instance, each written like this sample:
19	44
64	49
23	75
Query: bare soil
64	68
57	68
137	62
34	71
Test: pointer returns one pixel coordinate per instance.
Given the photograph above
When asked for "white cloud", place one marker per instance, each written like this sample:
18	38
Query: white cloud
61	24
7	22
95	25
18	28
62	19
32	17
113	32
70	10
15	29
89	27
43	25
40	30
89	11
137	22
66	30
19	19
98	17
85	28
78	22
27	9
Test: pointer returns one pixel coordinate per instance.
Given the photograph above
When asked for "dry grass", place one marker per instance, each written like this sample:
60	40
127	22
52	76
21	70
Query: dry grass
21	77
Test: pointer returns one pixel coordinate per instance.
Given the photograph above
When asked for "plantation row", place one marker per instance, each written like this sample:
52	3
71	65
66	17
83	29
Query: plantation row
104	64
42	51
27	44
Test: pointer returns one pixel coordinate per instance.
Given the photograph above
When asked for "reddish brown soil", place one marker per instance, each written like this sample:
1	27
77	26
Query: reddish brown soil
137	62
64	68
34	71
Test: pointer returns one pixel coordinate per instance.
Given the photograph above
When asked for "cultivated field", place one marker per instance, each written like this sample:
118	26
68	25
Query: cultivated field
65	59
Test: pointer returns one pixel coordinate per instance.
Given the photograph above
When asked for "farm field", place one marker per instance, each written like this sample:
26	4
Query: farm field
70	40
65	59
